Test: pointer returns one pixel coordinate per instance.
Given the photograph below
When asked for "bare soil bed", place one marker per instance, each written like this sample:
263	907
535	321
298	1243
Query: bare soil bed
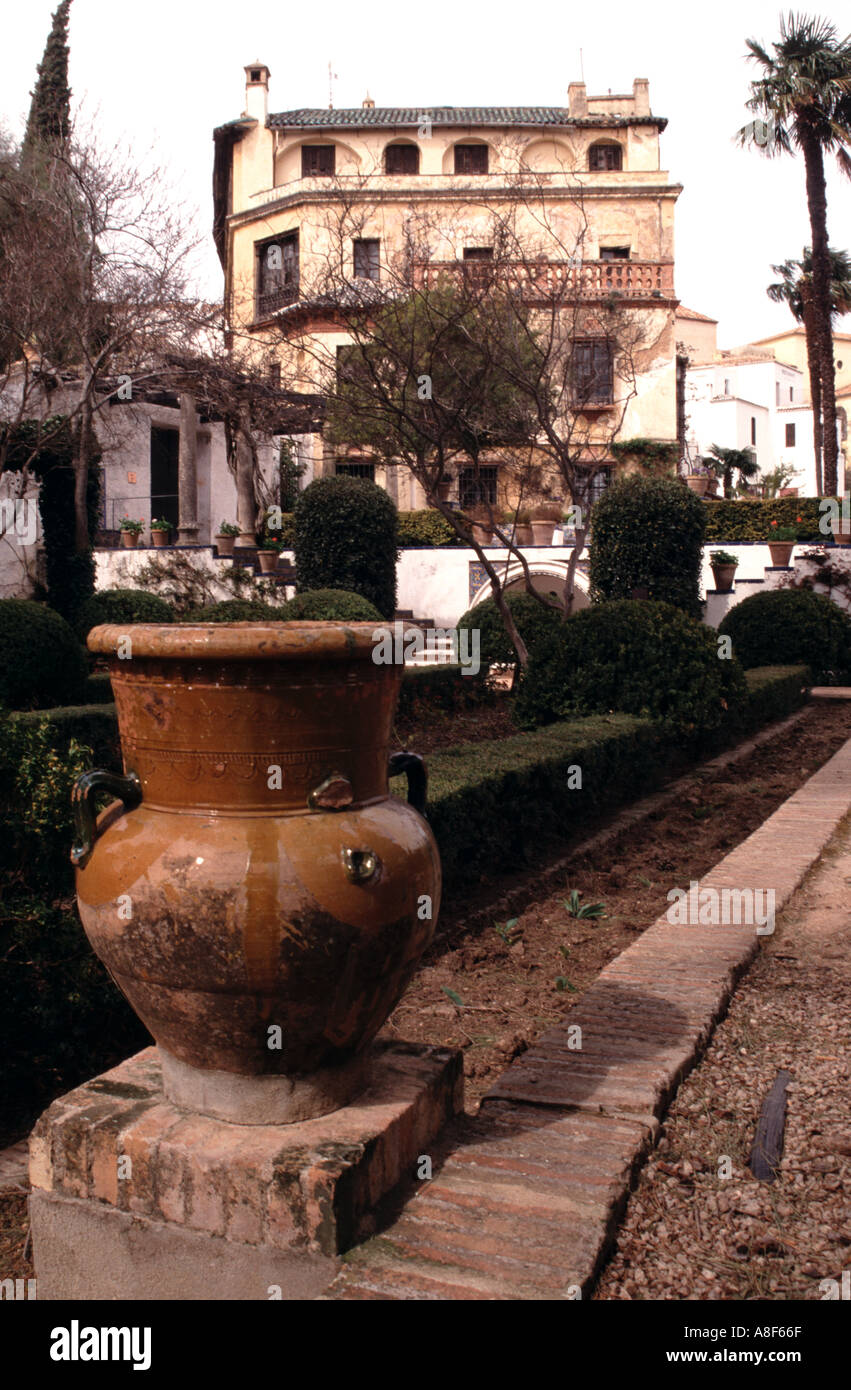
493	993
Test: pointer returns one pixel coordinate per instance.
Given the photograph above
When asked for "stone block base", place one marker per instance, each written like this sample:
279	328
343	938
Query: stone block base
134	1198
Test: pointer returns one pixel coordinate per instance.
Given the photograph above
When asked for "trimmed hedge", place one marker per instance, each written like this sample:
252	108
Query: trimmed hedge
445	687
236	610
42	662
750	520
425	528
345	538
534	623
774	692
638	657
493	805
122	606
329	606
647	533
98	689
788	627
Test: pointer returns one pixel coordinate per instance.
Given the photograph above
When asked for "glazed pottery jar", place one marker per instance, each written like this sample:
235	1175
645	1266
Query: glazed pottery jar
257	894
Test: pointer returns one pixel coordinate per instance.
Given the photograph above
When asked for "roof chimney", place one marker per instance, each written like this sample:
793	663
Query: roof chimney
577	99
257	91
641	96
368	104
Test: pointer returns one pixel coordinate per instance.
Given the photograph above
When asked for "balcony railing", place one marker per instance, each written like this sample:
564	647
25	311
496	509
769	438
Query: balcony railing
272	300
549	280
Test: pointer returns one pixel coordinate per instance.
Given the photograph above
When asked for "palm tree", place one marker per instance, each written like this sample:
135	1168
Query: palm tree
795	288
804	96
726	462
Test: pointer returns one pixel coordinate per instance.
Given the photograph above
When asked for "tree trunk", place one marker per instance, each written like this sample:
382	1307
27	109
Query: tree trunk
813	363
822	320
187	472
246	507
82	540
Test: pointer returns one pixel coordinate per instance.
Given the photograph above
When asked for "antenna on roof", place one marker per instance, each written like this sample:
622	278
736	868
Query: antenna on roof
332	77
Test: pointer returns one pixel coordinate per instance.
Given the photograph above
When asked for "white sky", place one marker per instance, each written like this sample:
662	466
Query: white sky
164	73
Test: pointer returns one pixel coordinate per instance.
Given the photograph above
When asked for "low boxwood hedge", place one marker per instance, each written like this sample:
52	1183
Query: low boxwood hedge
492	805
445	687
92	726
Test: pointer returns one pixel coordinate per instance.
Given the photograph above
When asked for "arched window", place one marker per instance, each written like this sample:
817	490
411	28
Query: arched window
471	159
402	159
604	156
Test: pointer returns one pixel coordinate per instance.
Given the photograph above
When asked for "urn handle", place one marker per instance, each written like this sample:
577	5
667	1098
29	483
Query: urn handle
415	770
128	790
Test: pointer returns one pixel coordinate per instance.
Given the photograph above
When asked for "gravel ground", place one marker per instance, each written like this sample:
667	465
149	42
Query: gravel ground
690	1233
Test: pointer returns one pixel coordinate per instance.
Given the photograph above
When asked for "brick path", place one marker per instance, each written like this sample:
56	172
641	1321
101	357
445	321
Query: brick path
525	1196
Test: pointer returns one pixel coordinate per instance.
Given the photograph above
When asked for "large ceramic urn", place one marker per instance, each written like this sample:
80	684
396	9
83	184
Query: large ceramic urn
256	892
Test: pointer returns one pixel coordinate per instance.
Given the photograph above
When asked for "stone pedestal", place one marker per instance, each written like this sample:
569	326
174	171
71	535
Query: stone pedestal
135	1198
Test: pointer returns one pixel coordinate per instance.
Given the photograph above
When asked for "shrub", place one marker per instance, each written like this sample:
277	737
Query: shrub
493	804
534	623
43	663
648	533
428	688
345	538
329	605
774	692
750	520
237	610
639	657
787	627
61	1017
425	528
122	606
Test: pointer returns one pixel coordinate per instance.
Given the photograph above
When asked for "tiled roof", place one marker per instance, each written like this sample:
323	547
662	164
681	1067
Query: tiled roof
684	313
388	117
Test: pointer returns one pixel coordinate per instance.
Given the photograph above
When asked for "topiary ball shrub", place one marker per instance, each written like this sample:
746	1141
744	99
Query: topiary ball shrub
237	610
330	605
345	538
785	627
636	657
122	606
533	621
43	664
647	533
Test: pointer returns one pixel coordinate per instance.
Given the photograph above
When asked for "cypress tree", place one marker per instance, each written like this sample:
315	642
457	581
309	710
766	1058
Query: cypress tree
49	121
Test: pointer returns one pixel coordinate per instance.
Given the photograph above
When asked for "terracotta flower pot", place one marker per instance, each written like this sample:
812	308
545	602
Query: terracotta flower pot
160	538
225	544
698	482
128	540
525	534
268	561
542	532
724	576
275	891
781	552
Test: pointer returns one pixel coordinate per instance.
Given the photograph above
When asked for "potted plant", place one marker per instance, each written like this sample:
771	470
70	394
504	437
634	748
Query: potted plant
226	537
723	570
482	523
698	478
160	529
130	530
519	521
544	519
781	543
268	553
